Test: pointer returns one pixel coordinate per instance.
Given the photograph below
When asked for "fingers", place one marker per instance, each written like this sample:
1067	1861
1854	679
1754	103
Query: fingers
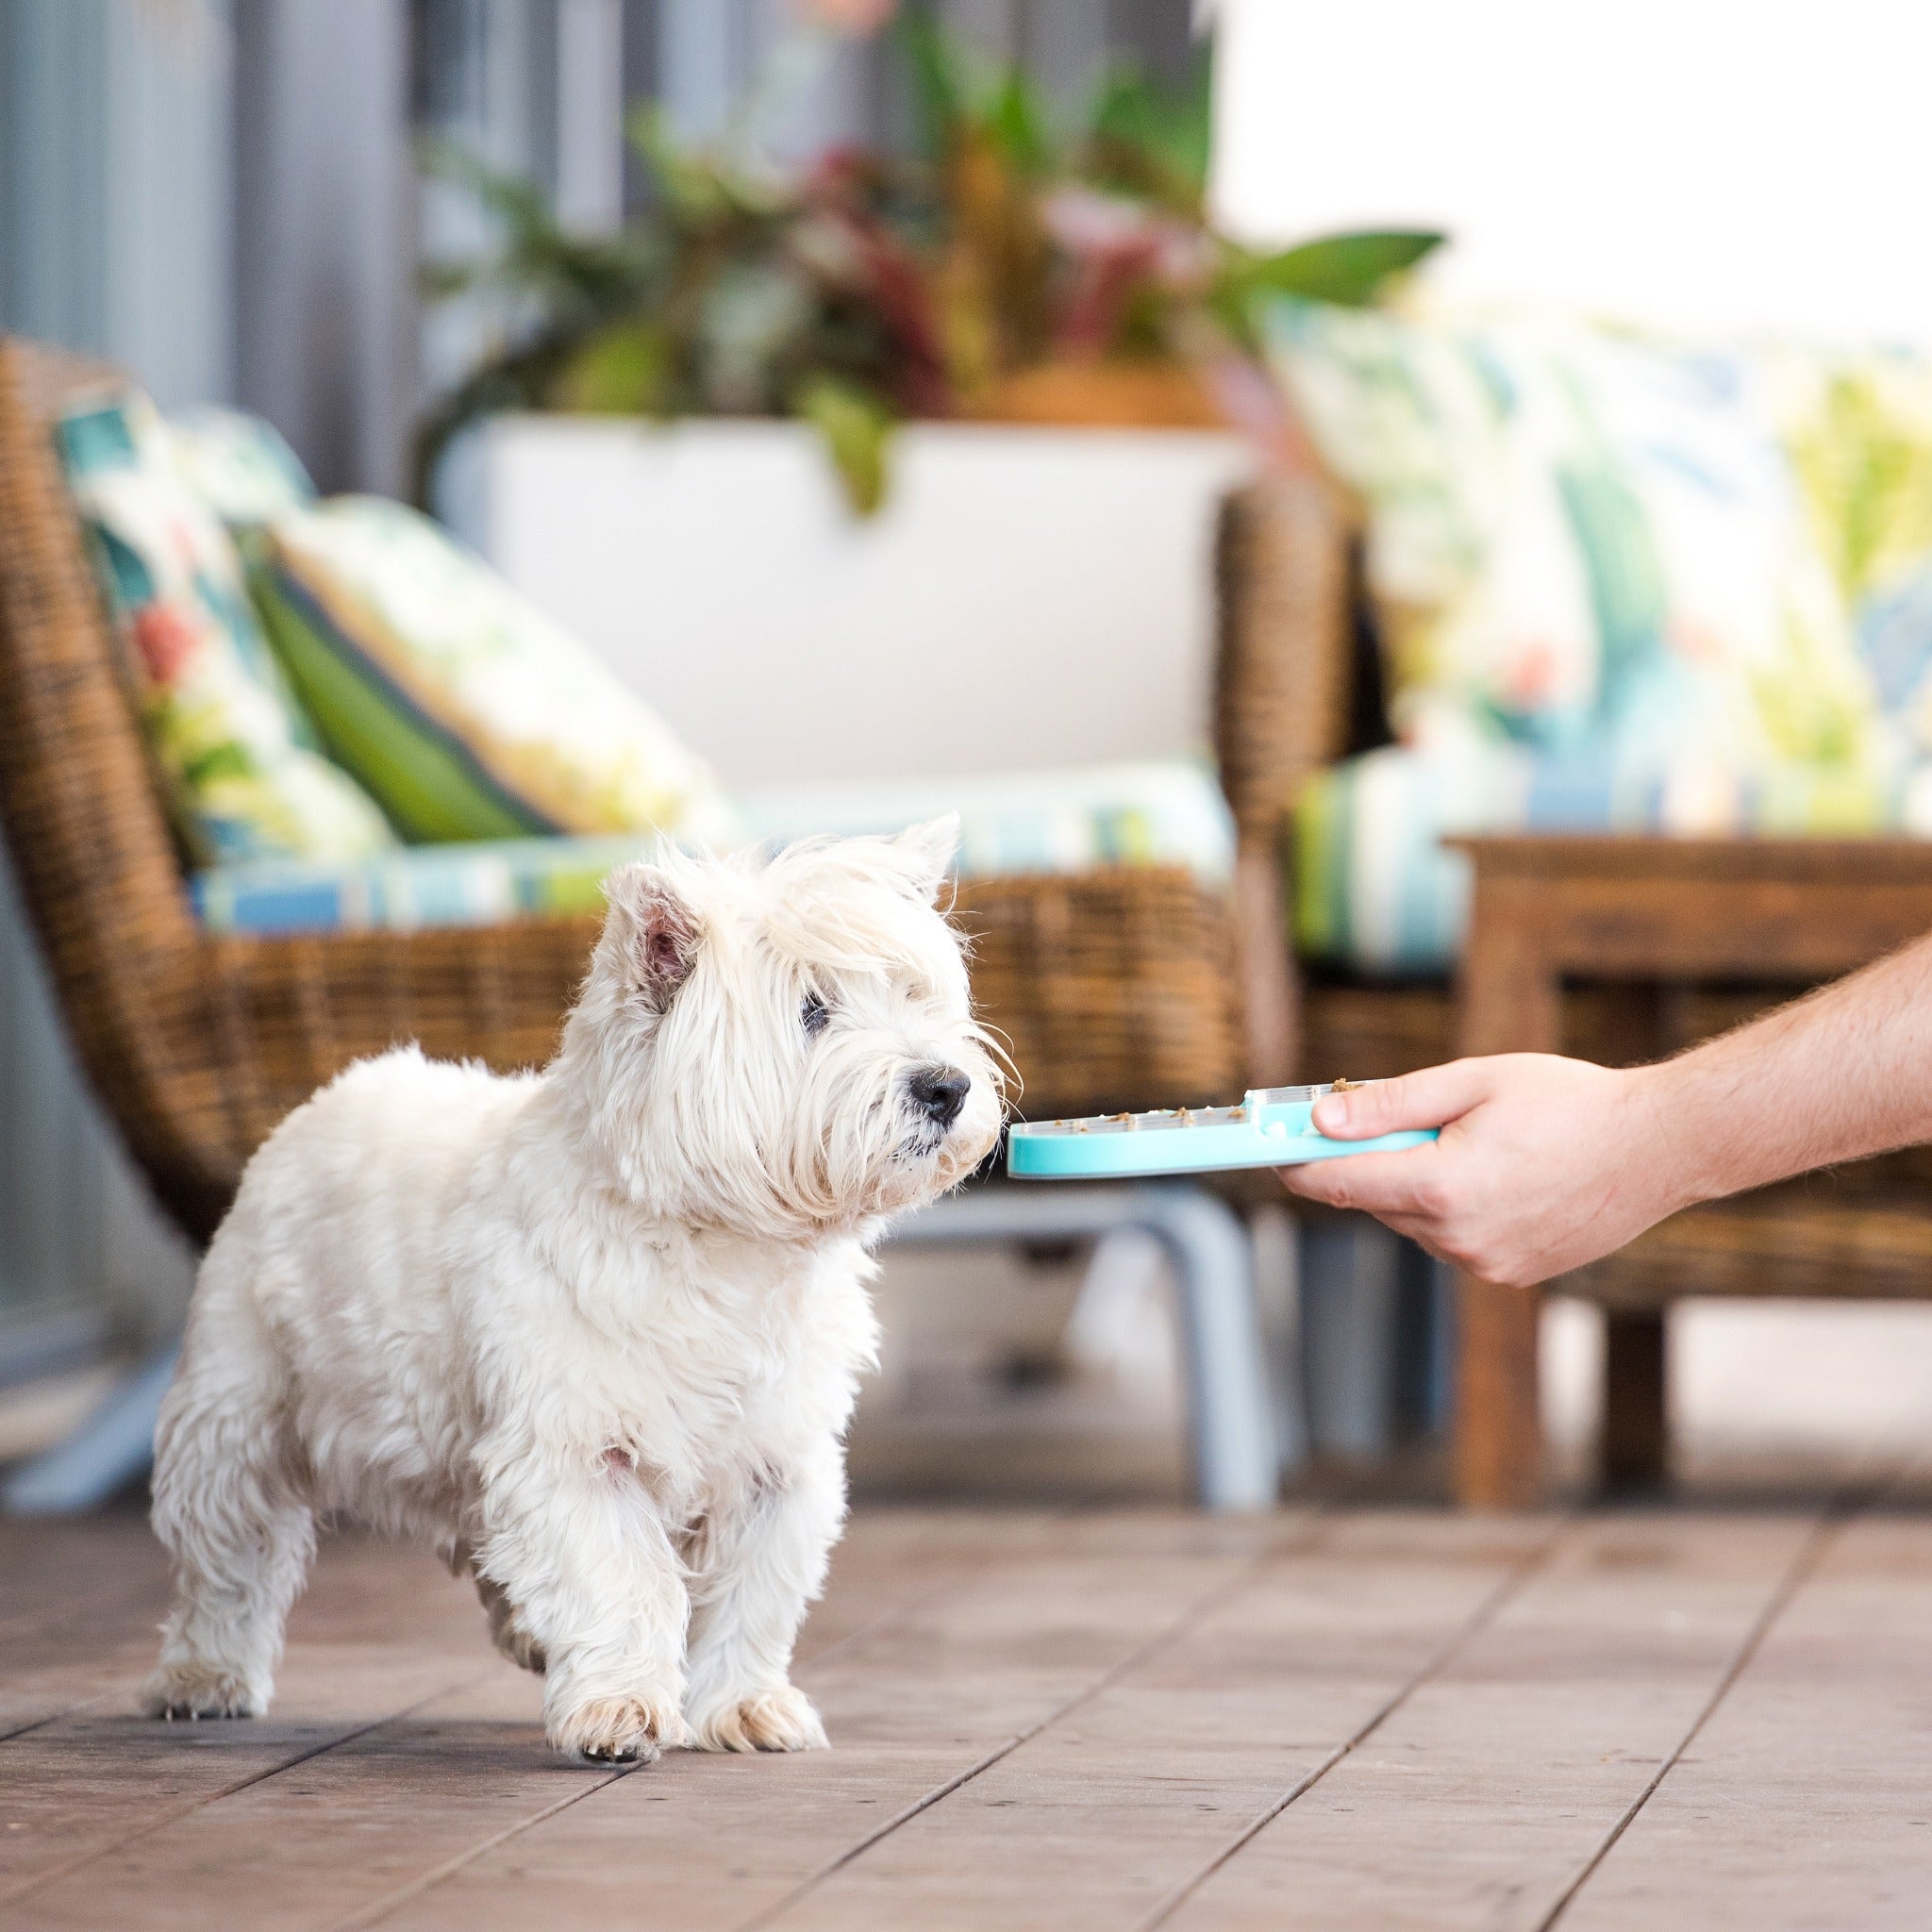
1430	1098
1404	1184
1406	1192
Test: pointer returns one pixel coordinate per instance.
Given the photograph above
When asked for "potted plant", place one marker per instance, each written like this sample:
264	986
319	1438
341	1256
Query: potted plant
1023	345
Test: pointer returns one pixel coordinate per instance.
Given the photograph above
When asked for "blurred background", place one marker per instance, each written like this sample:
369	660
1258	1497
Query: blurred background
865	387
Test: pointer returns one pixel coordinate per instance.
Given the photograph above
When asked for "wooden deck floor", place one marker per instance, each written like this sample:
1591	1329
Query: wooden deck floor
1658	1719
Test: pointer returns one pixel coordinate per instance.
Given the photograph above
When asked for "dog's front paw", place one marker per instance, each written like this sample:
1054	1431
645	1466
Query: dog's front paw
198	1691
617	1730
780	1718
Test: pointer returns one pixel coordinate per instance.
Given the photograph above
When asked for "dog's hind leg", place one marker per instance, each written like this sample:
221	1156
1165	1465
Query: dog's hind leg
227	1510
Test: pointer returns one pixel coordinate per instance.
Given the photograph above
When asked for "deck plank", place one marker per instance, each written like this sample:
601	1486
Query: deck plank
1807	1799
50	1570
1479	1801
379	1631
79	1603
918	1707
1096	1820
412	1790
1074	1722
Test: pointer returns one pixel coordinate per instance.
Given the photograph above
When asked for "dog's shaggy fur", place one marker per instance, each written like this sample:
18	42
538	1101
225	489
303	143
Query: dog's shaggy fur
592	1333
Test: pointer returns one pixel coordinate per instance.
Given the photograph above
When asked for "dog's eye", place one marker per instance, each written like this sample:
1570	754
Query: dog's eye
813	1015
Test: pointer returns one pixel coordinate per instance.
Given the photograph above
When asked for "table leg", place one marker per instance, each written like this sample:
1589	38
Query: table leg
1498	1415
1636	1427
1511	1003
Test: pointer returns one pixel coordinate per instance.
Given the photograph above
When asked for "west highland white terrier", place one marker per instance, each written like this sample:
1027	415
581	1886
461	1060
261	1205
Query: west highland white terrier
592	1333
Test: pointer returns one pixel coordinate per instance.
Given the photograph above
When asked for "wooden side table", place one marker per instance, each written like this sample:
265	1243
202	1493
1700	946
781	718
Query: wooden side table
1656	912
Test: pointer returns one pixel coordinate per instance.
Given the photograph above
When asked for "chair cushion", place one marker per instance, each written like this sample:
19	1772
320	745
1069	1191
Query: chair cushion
238	763
1156	812
467	712
1858	429
483	883
1582	537
1372	888
1623	585
1121	815
238	465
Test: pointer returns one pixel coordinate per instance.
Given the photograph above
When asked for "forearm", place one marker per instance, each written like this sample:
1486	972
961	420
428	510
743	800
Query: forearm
1844	1073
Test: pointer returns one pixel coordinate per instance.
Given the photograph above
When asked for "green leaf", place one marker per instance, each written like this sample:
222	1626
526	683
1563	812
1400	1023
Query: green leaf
938	69
1154	138
437	281
619	370
518	203
1017	120
1347	270
856	429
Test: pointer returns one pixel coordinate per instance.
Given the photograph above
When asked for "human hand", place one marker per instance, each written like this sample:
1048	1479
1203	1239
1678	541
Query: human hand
1542	1163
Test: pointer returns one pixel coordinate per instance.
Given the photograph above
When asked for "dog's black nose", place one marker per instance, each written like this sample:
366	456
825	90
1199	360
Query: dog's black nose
940	1093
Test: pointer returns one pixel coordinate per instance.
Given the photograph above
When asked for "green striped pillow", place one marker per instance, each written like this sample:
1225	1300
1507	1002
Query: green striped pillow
462	709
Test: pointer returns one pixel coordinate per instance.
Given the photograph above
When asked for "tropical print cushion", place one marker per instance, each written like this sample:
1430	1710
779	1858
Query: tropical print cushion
238	767
415	886
463	708
1858	430
1581	538
238	465
1374	888
1152	814
1623	585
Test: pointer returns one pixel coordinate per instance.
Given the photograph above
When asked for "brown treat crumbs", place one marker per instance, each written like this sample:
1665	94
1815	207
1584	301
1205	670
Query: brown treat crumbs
1340	1086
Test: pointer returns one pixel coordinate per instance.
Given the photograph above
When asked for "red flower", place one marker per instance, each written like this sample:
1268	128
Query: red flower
165	635
856	17
1529	682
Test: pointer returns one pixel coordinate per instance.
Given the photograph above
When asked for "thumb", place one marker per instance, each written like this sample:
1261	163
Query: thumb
1430	1098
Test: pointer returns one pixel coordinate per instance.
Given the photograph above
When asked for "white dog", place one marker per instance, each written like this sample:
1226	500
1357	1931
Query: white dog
592	1333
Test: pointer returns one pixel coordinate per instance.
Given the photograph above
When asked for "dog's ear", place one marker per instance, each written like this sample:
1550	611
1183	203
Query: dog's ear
927	852
661	934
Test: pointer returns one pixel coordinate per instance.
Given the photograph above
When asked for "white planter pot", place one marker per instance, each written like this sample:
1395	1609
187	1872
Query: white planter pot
1026	598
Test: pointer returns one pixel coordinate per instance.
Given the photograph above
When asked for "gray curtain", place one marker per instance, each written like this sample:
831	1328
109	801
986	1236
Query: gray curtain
115	236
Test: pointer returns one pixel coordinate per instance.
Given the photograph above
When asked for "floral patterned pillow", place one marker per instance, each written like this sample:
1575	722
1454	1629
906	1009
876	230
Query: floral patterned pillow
1858	427
238	465
1584	540
238	763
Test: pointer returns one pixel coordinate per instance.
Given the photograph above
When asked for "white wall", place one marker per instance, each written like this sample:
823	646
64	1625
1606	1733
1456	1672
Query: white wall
1754	164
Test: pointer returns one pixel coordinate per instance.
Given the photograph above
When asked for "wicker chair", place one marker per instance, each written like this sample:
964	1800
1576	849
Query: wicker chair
1301	688
1115	988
